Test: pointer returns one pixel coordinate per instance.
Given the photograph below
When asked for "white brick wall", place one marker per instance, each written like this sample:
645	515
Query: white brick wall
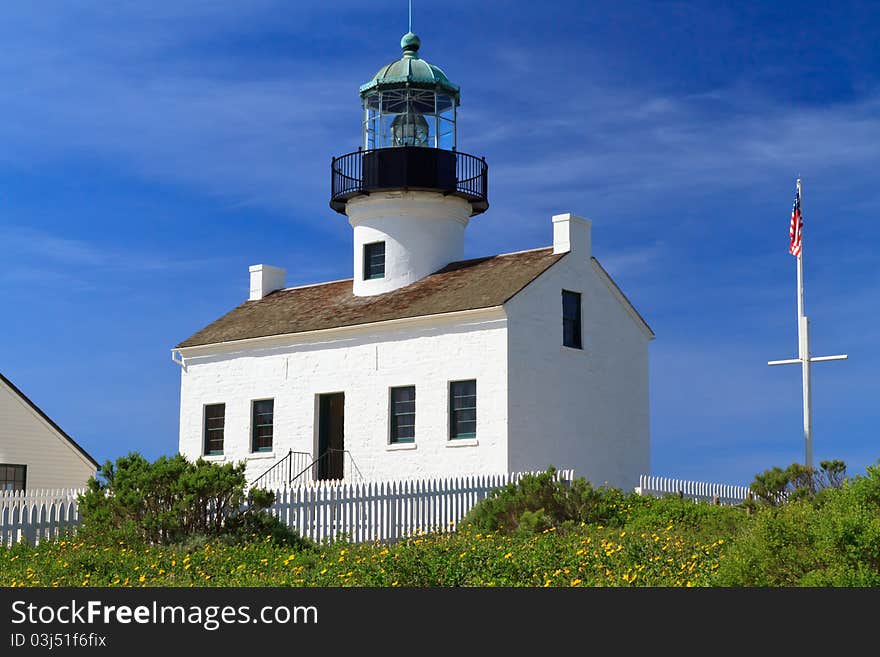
363	363
583	409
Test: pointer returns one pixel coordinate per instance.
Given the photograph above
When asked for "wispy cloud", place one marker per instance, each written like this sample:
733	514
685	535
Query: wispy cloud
173	116
629	158
29	244
32	276
634	261
158	109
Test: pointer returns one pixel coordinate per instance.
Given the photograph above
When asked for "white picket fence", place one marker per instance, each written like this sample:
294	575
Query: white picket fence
325	510
385	510
34	515
694	490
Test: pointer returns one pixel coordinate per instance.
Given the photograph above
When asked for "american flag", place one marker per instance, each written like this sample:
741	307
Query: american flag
795	231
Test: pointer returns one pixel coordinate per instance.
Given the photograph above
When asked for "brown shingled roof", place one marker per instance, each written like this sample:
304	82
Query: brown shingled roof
464	285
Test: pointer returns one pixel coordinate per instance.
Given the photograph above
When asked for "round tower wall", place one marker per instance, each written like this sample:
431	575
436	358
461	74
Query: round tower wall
422	231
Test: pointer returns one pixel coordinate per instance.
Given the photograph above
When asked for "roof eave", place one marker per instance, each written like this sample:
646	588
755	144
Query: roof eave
336	329
51	422
535	277
623	299
403	83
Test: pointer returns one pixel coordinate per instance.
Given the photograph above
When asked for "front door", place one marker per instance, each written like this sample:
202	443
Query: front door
331	436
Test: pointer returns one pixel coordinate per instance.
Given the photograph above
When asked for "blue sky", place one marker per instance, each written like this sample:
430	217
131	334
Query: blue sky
150	152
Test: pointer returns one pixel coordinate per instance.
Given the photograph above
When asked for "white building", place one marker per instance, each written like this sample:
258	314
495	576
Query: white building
423	364
35	453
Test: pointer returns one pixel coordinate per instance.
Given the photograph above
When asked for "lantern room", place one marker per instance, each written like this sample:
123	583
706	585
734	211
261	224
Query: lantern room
409	137
409	102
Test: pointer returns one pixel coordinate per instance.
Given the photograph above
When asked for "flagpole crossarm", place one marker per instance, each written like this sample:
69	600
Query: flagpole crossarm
814	359
787	361
820	358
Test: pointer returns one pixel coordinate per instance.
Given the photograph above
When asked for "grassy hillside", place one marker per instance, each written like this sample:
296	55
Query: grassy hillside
537	534
589	555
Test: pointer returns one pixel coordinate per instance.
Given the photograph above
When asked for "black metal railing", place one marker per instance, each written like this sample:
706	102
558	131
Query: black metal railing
282	472
409	168
332	464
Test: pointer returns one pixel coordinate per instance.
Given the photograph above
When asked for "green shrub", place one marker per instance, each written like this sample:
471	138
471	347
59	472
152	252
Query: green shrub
778	548
173	500
797	482
848	533
538	502
830	537
699	520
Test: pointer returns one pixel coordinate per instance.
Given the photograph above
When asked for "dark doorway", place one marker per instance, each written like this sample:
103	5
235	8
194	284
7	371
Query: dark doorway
331	436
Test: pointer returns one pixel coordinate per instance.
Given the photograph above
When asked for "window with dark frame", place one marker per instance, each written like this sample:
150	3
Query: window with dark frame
374	260
262	415
571	319
403	414
215	421
462	409
12	477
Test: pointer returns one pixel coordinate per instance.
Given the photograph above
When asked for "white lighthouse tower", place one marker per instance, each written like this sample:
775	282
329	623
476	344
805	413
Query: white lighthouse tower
407	191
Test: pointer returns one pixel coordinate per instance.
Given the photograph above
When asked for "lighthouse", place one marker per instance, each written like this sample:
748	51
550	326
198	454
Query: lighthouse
408	192
422	364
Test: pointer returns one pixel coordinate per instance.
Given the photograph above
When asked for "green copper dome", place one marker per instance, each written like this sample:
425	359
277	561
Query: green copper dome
412	72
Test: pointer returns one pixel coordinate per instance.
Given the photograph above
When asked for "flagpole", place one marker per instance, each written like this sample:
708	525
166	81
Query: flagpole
804	348
804	357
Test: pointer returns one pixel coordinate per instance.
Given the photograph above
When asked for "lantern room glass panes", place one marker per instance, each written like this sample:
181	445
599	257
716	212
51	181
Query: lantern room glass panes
409	117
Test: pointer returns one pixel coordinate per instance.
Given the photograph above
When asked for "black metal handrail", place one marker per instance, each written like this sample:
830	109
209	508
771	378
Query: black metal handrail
409	167
329	453
278	467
